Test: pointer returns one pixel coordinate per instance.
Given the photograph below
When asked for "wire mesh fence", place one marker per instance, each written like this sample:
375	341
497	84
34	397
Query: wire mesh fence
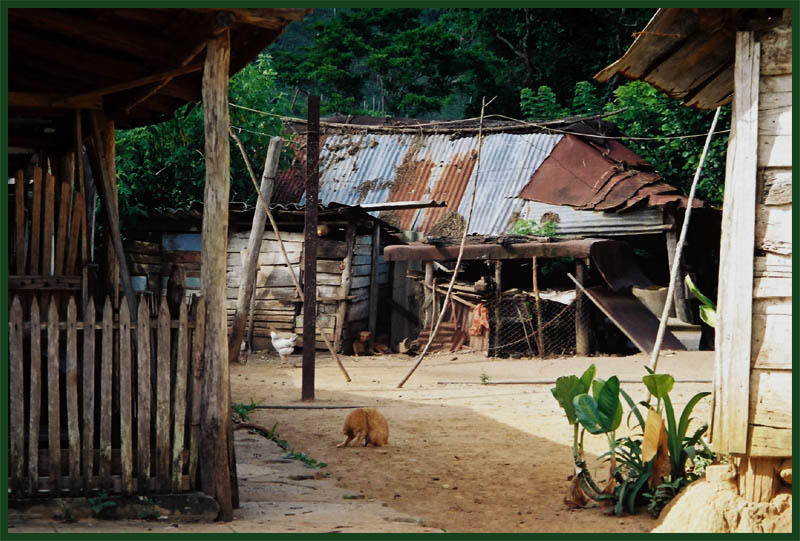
522	326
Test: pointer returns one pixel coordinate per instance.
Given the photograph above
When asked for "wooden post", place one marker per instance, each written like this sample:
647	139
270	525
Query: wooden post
143	398
16	401
498	280
250	266
582	328
179	401
53	402
34	397
539	332
400	297
126	400
734	300
373	281
73	422
428	296
162	401
347	278
19	188
107	354
679	296
113	266
107	187
310	250
215	401
758	477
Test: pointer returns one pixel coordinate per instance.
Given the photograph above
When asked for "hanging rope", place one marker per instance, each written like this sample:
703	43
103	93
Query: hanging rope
283	250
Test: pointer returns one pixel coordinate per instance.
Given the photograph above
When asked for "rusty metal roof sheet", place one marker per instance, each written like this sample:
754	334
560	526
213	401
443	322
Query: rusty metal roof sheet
595	174
518	174
688	53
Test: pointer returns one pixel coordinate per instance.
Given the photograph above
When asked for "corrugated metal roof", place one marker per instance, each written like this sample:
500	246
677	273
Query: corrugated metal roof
377	167
689	53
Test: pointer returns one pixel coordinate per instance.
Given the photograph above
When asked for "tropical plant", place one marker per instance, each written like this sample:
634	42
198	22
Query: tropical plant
601	412
547	228
708	310
659	386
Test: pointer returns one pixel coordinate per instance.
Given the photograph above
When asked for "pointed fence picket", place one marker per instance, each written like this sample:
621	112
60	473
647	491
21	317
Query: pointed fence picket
73	428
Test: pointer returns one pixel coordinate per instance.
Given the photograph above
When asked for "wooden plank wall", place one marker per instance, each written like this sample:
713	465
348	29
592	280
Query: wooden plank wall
770	407
69	438
277	306
46	232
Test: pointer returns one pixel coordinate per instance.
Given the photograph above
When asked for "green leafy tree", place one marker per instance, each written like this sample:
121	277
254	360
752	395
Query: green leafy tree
163	165
542	105
650	114
585	101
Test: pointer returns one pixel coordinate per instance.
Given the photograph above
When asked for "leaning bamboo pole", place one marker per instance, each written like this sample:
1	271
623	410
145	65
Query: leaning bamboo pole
460	251
283	250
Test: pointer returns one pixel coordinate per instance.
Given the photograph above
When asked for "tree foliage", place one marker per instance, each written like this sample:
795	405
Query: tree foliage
163	165
428	63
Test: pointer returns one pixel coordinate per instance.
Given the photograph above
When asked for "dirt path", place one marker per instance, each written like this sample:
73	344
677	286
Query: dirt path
462	456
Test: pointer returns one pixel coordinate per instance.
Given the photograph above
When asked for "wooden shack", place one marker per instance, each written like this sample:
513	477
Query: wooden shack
74	77
744	57
350	268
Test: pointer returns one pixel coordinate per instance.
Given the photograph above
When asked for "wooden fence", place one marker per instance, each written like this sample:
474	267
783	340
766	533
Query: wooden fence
99	405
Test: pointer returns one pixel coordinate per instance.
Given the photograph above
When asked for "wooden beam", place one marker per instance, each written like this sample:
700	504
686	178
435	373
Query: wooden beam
100	34
215	397
38	100
108	197
373	280
269	18
250	266
347	278
734	304
135	83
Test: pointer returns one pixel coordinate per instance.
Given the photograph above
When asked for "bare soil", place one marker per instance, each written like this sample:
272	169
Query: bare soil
463	456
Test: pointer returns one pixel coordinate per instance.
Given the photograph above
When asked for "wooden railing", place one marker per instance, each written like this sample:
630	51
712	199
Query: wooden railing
108	402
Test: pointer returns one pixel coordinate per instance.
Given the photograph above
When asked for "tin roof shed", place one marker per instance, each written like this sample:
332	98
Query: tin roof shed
575	170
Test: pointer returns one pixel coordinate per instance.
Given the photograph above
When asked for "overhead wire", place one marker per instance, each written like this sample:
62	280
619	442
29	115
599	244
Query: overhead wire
547	125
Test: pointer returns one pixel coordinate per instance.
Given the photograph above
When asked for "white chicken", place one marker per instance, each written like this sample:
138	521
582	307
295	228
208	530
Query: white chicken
283	345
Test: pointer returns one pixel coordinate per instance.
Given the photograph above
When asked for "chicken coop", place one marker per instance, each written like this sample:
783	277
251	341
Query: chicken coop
350	268
498	307
742	57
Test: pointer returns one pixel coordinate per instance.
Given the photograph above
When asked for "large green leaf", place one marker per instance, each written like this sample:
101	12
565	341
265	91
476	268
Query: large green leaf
609	404
709	316
634	409
589	415
683	424
587	377
696	292
659	385
566	389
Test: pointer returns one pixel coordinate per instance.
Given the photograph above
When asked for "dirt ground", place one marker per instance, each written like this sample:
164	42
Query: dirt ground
463	456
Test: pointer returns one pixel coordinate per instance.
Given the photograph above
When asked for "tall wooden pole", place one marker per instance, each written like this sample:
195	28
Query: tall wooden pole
250	267
582	328
310	250
215	396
